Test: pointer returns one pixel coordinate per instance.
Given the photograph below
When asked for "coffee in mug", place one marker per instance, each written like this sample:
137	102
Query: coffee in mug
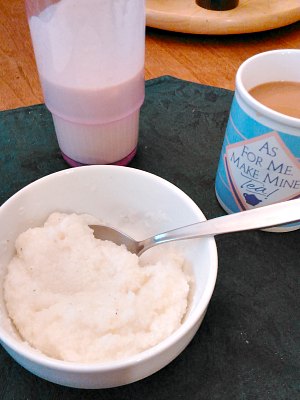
281	96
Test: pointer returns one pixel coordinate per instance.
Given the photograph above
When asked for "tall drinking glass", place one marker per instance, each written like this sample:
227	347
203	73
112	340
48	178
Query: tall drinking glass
90	59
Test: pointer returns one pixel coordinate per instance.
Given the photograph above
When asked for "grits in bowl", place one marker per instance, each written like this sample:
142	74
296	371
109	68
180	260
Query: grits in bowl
76	298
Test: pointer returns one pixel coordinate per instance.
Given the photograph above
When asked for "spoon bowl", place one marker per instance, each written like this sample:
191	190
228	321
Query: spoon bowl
263	217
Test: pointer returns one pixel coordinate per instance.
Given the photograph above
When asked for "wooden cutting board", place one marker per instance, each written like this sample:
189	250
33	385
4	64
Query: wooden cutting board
249	16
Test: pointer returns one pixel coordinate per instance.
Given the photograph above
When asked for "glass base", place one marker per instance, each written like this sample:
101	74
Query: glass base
123	162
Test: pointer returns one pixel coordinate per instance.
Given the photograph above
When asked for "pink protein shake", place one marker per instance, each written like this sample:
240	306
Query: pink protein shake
90	58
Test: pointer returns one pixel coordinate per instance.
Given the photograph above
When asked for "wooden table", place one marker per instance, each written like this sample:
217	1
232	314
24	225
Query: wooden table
211	60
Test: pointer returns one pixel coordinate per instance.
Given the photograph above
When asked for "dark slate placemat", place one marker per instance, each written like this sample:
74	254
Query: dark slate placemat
246	347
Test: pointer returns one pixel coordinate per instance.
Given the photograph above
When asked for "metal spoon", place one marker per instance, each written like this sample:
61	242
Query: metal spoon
263	217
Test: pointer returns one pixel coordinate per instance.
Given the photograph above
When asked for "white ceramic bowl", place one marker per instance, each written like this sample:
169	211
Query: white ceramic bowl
108	192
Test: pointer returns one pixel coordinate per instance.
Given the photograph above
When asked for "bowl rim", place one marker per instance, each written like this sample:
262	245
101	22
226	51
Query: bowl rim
33	355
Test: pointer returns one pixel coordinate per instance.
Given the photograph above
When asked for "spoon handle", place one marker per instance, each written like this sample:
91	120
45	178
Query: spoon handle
262	217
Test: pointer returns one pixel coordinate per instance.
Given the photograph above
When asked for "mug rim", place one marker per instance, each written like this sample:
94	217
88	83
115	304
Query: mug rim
255	104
